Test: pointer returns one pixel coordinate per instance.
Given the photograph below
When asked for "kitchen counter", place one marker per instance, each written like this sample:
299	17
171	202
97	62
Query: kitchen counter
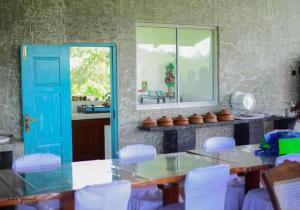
83	116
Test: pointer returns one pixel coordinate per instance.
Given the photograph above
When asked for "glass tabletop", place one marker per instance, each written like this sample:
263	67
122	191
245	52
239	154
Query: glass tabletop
68	177
164	168
167	165
6	191
239	157
13	181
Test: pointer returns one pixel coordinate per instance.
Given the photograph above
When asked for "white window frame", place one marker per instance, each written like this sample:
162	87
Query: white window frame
215	64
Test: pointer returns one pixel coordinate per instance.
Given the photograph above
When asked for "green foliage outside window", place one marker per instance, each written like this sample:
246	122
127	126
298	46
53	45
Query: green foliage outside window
90	71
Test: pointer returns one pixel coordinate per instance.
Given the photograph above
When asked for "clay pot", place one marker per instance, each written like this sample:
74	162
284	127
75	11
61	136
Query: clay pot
210	117
196	119
181	120
225	115
149	122
165	121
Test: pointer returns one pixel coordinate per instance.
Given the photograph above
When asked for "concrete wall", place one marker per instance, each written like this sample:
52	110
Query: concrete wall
259	45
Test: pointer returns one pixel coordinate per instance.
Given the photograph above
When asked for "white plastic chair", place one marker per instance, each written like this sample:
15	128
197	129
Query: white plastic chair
259	198
236	187
110	196
204	188
33	162
146	198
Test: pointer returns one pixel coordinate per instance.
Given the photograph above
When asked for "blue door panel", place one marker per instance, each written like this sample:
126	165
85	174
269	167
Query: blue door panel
49	122
46	99
47	66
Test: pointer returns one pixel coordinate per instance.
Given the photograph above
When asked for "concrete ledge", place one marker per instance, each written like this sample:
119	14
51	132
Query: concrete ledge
11	145
220	123
15	145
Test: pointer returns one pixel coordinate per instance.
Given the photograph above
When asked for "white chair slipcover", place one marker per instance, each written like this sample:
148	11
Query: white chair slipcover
259	198
110	196
205	189
145	198
297	126
137	153
37	161
291	157
33	162
236	186
218	144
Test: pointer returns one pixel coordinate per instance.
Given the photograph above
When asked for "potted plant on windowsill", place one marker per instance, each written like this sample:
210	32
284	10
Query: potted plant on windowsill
170	78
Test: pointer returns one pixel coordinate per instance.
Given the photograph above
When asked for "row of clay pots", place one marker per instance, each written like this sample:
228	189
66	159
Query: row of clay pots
210	117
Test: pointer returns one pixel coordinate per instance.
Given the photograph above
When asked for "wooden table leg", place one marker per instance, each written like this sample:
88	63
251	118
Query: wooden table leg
252	180
170	193
68	203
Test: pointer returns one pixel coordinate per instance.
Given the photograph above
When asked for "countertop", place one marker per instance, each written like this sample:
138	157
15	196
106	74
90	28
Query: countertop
83	116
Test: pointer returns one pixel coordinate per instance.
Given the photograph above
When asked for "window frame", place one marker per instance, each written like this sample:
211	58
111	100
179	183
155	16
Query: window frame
215	63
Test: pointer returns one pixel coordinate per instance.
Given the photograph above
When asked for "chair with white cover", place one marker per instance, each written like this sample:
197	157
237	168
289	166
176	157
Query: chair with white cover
218	144
109	196
34	162
144	198
297	126
204	189
259	198
137	153
290	157
283	185
236	186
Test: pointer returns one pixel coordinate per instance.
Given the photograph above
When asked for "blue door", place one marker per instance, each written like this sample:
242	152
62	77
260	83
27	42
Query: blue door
46	100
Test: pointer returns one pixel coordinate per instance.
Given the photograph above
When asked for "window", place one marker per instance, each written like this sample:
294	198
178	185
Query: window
176	66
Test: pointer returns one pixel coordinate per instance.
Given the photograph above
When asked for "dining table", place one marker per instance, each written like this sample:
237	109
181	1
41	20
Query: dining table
166	171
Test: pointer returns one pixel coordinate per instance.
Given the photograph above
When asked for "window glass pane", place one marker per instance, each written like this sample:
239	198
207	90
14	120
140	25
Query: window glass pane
156	65
195	64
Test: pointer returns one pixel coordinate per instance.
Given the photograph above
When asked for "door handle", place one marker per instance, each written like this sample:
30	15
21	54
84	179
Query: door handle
27	121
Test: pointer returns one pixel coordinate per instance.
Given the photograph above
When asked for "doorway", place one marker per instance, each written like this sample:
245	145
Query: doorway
93	101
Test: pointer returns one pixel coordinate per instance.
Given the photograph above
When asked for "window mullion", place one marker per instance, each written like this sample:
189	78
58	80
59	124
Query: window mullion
177	70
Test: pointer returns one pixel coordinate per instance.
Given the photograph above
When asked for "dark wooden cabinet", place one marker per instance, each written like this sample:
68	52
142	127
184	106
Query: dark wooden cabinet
88	139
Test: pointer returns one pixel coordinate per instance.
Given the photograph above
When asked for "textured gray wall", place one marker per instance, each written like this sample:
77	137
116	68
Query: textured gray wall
259	45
